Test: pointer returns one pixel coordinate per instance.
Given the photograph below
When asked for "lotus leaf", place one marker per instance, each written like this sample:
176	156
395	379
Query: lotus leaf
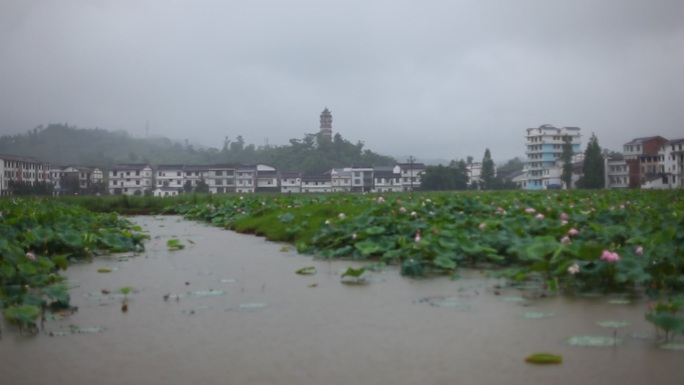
593	341
544	358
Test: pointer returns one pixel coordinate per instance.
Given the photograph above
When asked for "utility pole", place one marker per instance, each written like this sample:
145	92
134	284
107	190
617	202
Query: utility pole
411	159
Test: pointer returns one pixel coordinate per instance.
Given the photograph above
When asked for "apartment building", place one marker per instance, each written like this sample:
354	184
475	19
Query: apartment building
22	169
130	179
291	182
221	178
170	176
643	159
544	147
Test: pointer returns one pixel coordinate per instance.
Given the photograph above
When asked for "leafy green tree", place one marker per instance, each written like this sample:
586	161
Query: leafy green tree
566	156
593	169
514	164
201	187
187	187
441	178
98	188
487	174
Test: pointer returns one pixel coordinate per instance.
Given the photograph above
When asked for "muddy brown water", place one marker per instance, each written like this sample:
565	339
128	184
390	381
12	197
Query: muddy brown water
260	323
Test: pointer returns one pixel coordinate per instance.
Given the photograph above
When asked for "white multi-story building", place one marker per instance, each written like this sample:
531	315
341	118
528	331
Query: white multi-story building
266	179
170	176
340	178
643	159
22	169
362	178
195	174
673	164
318	183
221	178
474	173
75	179
411	174
291	182
667	174
387	179
544	150
245	178
617	173
130	179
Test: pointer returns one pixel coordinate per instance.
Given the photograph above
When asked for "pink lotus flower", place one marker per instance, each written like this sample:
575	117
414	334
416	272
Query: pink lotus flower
417	237
539	216
565	240
414	214
402	209
639	250
564	222
500	209
573	231
574	269
564	216
530	210
341	215
31	256
380	200
483	226
609	256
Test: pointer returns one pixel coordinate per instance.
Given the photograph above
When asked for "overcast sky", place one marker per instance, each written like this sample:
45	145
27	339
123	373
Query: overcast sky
433	79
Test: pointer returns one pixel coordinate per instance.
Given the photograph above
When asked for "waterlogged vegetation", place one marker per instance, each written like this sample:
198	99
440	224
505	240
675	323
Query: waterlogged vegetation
38	239
575	242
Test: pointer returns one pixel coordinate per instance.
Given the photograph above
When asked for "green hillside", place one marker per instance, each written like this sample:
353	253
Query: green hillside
62	145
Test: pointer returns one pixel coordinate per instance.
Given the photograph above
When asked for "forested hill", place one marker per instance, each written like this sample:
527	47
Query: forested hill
62	145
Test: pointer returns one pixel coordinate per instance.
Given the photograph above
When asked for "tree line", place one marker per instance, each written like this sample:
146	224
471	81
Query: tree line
61	144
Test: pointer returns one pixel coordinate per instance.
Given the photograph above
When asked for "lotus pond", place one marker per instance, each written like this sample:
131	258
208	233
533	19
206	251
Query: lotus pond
404	288
232	308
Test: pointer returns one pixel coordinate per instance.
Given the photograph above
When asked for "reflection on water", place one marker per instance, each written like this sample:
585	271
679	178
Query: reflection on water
229	309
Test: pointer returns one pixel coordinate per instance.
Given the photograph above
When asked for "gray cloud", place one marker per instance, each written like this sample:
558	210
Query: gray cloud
433	79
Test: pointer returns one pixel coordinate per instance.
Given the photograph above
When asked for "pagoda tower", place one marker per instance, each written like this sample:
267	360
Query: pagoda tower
326	124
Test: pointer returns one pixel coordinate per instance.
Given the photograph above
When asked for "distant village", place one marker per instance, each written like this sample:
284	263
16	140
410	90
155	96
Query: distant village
650	162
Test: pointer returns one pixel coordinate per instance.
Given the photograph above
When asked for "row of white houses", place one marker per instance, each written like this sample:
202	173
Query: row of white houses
166	180
169	180
648	162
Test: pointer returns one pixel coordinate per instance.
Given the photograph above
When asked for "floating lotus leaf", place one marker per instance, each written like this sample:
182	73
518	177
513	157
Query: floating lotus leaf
309	270
204	293
73	329
643	336
673	346
593	341
536	314
252	306
612	324
449	302
197	309
544	358
104	270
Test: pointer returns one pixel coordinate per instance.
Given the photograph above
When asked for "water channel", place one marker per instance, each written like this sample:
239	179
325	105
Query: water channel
229	309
